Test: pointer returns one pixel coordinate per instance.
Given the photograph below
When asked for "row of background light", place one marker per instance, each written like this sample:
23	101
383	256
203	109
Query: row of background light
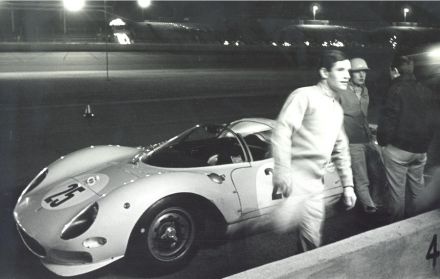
78	5
124	39
335	43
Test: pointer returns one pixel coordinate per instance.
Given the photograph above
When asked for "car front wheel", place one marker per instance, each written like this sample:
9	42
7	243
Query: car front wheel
167	233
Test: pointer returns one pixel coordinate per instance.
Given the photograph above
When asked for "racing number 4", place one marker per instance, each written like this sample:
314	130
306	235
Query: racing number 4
433	253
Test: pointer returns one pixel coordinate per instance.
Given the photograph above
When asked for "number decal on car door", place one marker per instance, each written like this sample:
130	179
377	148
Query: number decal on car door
63	196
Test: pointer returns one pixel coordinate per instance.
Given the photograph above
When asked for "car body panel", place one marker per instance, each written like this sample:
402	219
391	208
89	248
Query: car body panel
223	196
255	199
87	159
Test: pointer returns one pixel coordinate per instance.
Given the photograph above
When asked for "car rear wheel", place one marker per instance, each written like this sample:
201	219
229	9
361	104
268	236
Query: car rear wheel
167	233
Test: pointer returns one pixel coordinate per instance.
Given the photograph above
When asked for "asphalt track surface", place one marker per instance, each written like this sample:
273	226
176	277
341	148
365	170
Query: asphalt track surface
218	261
147	98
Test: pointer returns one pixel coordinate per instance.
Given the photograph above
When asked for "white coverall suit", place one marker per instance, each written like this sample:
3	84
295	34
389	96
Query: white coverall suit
310	133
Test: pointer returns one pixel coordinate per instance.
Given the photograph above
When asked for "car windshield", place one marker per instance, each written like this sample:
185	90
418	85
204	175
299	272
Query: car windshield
256	135
201	146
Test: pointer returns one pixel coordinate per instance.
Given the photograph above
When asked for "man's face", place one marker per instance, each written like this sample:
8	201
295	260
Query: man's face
339	75
358	77
408	66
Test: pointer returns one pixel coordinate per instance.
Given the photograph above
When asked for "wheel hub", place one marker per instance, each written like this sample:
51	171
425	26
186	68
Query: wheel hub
171	234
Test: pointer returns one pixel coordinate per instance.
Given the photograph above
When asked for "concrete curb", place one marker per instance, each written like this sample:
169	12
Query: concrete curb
399	250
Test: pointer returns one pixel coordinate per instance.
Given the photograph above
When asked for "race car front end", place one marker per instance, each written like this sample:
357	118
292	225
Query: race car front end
72	252
64	225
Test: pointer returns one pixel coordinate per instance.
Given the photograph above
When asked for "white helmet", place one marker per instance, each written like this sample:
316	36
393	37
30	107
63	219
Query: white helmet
358	64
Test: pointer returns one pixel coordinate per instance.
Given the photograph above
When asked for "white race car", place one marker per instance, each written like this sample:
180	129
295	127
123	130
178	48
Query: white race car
99	204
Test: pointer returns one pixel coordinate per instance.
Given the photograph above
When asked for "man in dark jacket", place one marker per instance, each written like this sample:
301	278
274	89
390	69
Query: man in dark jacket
405	131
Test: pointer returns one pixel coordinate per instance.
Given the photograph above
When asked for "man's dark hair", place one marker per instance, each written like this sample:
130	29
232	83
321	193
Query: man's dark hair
330	57
400	60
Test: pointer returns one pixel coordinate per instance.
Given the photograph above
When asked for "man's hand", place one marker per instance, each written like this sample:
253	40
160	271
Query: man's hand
349	197
286	190
283	183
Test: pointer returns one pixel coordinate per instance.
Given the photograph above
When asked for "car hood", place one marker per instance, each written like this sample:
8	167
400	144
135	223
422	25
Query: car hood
59	199
114	175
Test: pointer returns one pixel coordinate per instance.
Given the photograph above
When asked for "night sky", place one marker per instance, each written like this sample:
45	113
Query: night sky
381	11
37	20
205	11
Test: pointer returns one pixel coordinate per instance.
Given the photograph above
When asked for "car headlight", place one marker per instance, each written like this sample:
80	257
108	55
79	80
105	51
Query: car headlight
35	182
80	223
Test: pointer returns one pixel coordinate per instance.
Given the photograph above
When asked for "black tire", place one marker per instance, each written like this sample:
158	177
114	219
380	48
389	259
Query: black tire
167	234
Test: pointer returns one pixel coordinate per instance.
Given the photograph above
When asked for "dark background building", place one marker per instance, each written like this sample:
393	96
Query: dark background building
248	22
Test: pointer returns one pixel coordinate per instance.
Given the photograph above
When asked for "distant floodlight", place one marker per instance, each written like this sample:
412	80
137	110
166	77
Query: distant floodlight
117	22
144	3
74	5
405	11
315	8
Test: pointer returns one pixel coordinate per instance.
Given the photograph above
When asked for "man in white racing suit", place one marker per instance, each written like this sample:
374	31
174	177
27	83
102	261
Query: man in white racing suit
309	133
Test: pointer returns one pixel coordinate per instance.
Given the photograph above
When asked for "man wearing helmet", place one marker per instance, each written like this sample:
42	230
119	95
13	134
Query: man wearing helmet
354	102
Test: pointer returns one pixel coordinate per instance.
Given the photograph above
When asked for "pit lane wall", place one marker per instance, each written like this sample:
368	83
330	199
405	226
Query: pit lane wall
407	249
